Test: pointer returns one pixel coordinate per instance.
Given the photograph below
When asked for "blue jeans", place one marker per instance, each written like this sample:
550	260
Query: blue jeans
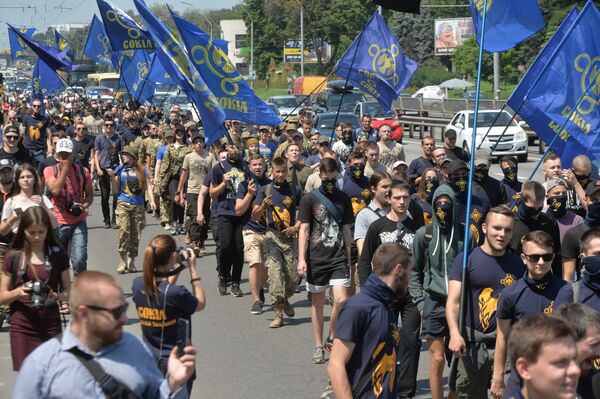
77	235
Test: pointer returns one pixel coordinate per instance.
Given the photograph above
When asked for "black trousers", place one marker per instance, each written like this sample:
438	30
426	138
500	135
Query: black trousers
231	249
198	232
105	186
410	348
177	211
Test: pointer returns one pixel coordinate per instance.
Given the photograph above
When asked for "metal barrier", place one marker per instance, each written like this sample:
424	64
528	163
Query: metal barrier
445	108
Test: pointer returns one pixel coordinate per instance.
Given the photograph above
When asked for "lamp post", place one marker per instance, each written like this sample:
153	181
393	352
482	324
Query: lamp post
251	75
203	16
301	38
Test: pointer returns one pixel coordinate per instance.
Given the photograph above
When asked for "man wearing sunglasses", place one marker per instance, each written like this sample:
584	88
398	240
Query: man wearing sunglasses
36	131
96	333
107	148
531	295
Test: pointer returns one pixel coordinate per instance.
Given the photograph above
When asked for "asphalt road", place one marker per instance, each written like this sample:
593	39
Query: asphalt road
238	355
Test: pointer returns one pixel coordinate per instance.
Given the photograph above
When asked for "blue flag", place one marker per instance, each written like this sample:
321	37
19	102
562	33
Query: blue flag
53	57
124	33
18	48
555	98
62	45
134	76
507	23
97	46
235	96
45	80
380	67
175	60
222	44
158	74
537	68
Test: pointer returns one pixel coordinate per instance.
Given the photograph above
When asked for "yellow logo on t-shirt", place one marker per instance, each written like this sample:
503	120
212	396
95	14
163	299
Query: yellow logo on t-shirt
487	307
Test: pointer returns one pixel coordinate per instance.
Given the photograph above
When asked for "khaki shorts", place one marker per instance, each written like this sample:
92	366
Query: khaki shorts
254	250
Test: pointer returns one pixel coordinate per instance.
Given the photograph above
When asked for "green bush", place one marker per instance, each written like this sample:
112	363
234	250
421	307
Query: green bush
431	72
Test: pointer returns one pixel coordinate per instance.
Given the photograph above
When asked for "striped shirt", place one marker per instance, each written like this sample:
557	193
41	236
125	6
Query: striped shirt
51	372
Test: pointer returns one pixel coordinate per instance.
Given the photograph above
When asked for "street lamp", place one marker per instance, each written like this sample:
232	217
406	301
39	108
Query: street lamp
203	16
301	38
252	75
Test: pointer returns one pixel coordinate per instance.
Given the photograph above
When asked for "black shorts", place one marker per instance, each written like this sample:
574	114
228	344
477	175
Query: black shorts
319	278
434	323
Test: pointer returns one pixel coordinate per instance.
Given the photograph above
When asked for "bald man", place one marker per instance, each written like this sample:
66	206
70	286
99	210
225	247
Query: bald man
56	369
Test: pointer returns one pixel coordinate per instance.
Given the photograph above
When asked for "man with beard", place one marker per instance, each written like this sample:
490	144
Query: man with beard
11	149
367	337
94	340
324	242
36	131
494	190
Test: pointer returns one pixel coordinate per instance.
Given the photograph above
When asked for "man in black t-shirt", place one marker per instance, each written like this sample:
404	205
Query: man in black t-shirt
452	151
396	226
493	188
418	165
12	148
36	135
324	244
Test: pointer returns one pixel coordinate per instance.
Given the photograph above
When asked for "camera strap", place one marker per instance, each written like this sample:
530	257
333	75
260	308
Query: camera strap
162	327
111	387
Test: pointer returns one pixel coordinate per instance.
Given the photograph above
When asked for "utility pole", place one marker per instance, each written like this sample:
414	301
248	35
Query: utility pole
497	76
301	38
251	74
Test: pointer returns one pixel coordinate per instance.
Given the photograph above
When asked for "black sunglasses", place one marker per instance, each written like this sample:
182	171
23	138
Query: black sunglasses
116	312
535	258
11	137
109	124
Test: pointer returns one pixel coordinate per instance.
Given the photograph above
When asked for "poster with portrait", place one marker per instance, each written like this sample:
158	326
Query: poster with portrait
451	33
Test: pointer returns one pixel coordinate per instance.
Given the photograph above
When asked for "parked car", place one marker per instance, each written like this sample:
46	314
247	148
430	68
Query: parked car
98	91
433	97
323	122
379	116
287	105
275	109
337	92
184	103
513	142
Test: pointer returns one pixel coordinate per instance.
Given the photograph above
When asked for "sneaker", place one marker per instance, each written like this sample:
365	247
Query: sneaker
107	225
201	251
181	231
328	393
288	309
318	355
236	291
261	295
222	287
174	231
168	226
328	344
256	308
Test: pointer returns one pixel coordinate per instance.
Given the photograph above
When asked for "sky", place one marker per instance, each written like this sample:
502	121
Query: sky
48	12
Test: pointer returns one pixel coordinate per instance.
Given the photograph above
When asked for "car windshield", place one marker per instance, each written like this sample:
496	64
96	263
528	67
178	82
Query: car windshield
377	111
326	121
349	98
485	119
285	102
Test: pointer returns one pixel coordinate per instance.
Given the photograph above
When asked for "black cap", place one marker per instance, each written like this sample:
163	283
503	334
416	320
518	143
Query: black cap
592	187
455	165
451	134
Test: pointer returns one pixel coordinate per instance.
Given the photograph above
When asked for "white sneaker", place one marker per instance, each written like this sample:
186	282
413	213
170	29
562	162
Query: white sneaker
168	226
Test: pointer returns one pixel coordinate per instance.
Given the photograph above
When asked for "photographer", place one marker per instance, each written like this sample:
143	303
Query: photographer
70	187
36	270
130	181
160	301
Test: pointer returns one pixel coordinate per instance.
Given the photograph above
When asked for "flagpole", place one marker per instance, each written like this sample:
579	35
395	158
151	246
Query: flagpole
461	317
557	135
308	95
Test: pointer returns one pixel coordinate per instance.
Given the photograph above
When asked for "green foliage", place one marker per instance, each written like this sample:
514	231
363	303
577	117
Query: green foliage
431	72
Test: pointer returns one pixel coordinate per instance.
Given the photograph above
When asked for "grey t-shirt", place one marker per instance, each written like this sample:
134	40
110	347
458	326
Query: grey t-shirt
367	216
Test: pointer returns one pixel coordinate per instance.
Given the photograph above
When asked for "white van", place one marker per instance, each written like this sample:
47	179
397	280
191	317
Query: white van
432	97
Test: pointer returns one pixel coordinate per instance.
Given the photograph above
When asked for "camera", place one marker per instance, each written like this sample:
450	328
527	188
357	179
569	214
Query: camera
180	258
38	292
74	209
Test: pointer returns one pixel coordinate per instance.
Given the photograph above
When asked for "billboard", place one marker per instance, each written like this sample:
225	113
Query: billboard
292	53
450	33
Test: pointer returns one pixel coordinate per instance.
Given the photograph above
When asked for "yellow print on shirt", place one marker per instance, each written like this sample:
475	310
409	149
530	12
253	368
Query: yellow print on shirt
357	205
548	309
386	365
152	317
284	216
508	280
487	307
34	133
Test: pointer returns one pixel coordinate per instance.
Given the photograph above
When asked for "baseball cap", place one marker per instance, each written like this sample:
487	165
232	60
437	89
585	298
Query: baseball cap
482	156
398	163
251	141
592	188
6	163
451	134
323	139
264	127
552	183
292	126
11	129
168	133
455	165
64	145
197	135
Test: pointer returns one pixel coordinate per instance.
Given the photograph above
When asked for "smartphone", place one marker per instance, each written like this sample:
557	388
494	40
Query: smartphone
183	335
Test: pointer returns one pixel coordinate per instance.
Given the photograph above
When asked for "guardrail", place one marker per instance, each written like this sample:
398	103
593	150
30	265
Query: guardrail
446	107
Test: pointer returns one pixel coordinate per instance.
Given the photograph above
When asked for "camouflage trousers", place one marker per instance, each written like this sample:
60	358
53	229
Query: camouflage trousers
281	263
165	204
131	220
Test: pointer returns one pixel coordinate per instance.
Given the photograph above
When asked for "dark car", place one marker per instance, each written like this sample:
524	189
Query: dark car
324	121
337	92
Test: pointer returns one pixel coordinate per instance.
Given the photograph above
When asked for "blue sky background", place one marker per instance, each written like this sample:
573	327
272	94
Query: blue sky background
49	12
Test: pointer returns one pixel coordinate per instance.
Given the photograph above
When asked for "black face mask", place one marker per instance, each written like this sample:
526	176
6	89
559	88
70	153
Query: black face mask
443	212
347	136
480	174
510	174
459	184
558	205
328	186
430	186
592	217
528	213
357	171
582	179
591	265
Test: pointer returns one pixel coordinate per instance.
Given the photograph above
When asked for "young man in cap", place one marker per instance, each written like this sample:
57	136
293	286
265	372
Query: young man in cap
291	130
107	147
11	149
323	146
493	189
163	195
194	169
452	151
71	187
266	145
557	207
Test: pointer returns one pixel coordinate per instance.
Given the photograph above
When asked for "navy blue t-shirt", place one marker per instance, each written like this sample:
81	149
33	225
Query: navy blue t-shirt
479	208
181	303
206	183
528	297
418	166
487	277
226	201
365	321
359	192
283	203
108	149
249	223
587	296
35	131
